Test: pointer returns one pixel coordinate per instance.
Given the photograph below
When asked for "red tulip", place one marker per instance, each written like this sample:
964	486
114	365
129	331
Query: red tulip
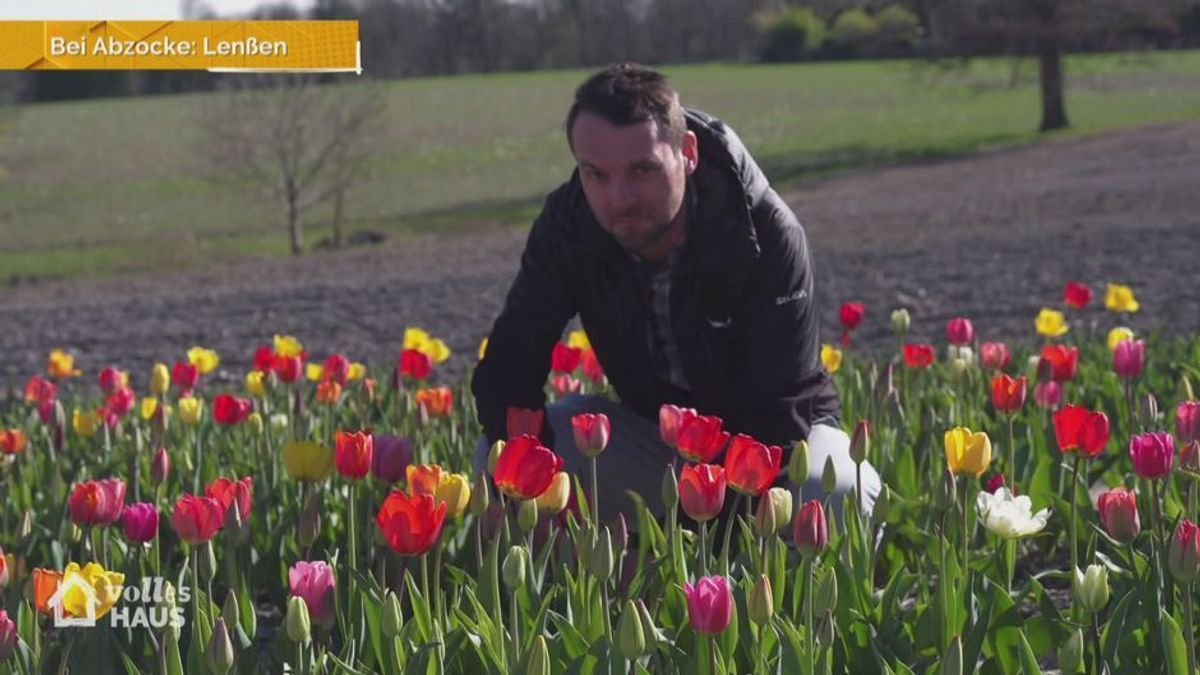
109	379
229	492
710	604
565	384
1062	359
1183	558
994	355
97	502
918	355
1119	514
1187	421
960	331
525	468
1008	394
184	377
264	358
1076	295
1153	454
390	458
702	491
700	436
994	483
336	369
591	432
1129	358
12	441
751	466
415	364
140	522
352	453
39	390
197	519
809	531
160	466
287	368
851	314
592	369
48	412
522	421
1048	394
229	409
410	524
564	358
120	401
670	417
1077	428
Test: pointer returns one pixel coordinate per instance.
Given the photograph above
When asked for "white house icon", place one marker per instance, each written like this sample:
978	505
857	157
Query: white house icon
56	602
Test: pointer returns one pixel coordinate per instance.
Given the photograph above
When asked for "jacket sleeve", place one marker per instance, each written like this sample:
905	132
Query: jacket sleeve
783	387
539	304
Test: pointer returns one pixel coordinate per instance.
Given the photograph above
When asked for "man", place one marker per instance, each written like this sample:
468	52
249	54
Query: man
692	279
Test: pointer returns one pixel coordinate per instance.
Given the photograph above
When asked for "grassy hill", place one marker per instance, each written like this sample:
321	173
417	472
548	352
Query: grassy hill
115	186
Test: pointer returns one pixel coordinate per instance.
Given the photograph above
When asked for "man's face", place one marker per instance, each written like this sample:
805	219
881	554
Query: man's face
633	181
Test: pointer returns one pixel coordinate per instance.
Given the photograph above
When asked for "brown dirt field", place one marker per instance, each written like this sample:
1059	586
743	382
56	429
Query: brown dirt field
993	236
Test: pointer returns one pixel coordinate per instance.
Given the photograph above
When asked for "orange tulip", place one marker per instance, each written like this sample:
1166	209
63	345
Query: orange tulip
328	392
45	585
12	441
410	524
423	479
437	401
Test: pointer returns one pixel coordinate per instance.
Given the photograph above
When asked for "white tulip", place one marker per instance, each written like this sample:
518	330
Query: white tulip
1010	517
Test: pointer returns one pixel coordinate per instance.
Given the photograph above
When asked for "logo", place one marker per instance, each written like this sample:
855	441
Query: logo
61	620
141	606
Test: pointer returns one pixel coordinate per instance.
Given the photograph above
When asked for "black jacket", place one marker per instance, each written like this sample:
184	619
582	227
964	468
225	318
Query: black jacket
742	306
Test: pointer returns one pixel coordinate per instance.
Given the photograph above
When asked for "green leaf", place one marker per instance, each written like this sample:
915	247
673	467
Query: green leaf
1029	662
420	607
1174	645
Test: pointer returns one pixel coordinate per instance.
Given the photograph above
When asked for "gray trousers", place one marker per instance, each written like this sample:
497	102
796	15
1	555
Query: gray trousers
636	458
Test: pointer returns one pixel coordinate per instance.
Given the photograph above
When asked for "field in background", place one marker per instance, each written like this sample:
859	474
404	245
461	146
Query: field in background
104	187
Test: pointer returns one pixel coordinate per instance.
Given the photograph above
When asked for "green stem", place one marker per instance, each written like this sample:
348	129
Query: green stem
438	617
1156	540
1012	455
1098	654
595	494
704	548
608	632
1188	627
1071	497
808	611
712	652
515	629
729	533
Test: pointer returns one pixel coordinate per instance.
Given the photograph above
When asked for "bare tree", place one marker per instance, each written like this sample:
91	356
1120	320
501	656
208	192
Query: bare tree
303	141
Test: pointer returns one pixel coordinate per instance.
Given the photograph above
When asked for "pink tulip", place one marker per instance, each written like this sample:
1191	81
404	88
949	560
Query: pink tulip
1119	514
670	418
710	604
313	582
994	355
1153	454
591	432
1187	421
1183	557
1048	394
8	636
1129	358
140	522
960	331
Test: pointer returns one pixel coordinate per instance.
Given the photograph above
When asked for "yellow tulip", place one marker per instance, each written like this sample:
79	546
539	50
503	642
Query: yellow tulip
84	422
579	340
288	346
455	490
307	461
148	407
832	358
205	360
1051	323
61	364
1118	335
482	348
555	498
191	409
107	586
313	372
418	339
357	371
160	379
1118	298
968	452
255	385
437	352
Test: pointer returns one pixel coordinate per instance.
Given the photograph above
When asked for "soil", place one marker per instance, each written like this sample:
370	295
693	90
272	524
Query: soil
992	236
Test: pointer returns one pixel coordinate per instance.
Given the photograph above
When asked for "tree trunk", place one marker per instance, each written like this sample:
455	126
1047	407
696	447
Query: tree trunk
294	225
1050	60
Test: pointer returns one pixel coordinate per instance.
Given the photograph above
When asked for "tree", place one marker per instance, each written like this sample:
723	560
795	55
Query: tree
303	141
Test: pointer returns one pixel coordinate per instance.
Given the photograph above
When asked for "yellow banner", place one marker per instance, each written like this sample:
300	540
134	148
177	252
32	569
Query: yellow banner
322	46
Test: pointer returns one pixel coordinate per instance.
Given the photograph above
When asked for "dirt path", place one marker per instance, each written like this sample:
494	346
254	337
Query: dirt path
992	237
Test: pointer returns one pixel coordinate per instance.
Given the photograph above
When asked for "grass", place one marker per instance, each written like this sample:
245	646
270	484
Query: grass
118	186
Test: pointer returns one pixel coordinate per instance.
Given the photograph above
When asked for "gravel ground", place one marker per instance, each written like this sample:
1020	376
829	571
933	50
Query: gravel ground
992	236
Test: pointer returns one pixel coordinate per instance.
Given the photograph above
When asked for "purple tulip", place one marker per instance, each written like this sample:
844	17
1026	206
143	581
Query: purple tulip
140	522
391	458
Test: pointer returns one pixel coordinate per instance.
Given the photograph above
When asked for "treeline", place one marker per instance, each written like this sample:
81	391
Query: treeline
406	38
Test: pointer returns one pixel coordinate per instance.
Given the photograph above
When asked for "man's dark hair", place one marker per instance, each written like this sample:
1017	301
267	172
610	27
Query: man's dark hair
630	93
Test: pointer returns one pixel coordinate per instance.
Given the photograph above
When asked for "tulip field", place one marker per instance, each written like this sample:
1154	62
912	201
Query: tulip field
320	515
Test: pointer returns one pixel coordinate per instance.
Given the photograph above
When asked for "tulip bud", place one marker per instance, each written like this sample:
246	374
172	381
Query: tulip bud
393	618
810	532
883	505
825	629
555	497
947	491
538	662
585	542
1090	589
1189	457
649	630
764	517
208	560
480	496
26	530
220	649
630	637
797	468
1149	408
255	421
901	321
160	466
601	561
297	623
160	379
1183	557
279	422
952	660
309	525
527	515
670	489
1070	654
230	610
860	442
494	454
778	502
620	536
826	594
761	603
513	569
829	476
75	534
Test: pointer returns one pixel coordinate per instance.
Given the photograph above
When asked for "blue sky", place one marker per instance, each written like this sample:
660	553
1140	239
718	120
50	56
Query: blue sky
122	9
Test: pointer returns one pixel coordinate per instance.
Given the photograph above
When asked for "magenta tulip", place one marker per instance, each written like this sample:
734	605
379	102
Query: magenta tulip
710	604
